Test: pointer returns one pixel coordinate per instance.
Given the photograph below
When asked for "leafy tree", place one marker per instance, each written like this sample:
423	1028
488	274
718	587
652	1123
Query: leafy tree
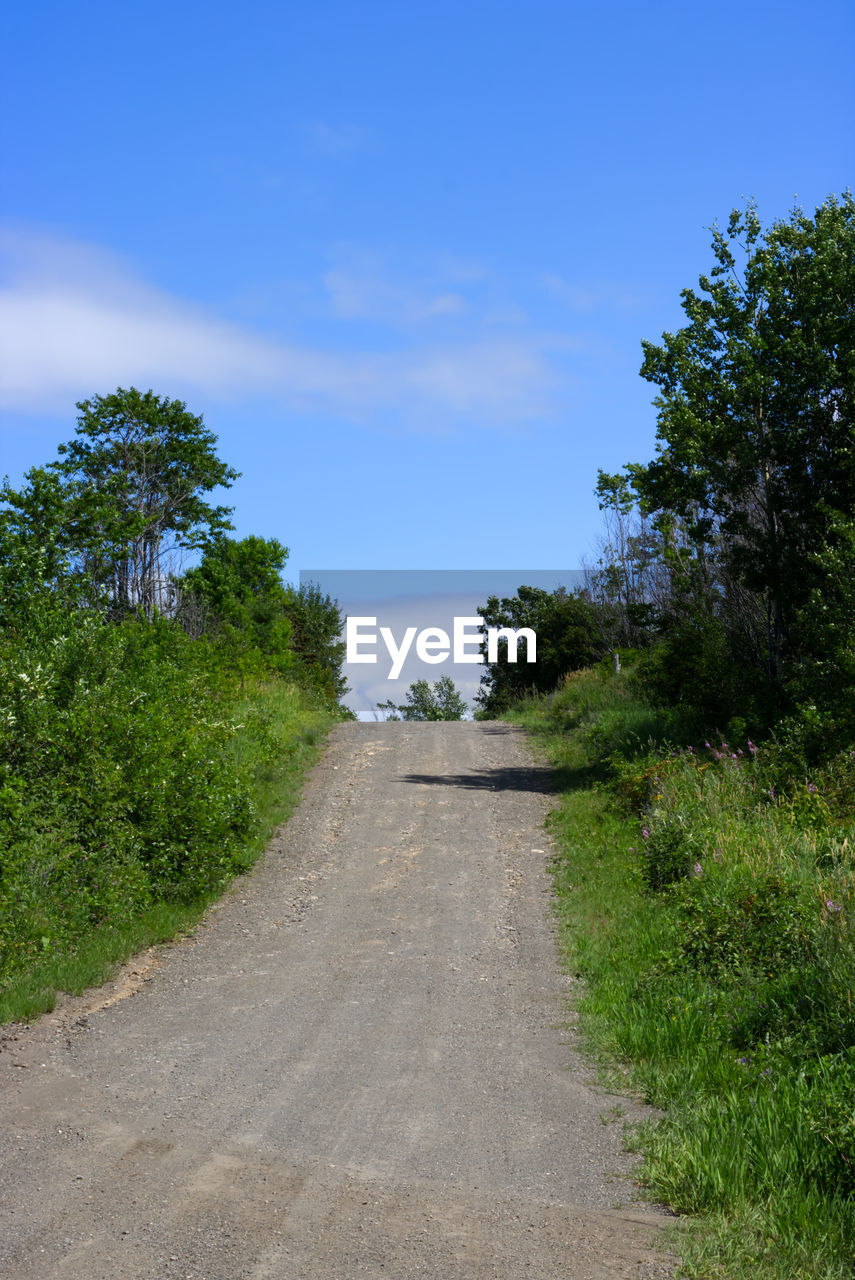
316	625
35	533
439	701
125	497
239	588
568	637
756	416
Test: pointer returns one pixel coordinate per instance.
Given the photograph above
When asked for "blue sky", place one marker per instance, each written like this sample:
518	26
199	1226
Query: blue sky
401	257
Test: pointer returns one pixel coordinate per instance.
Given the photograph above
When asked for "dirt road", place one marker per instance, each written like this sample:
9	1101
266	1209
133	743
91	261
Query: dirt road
355	1068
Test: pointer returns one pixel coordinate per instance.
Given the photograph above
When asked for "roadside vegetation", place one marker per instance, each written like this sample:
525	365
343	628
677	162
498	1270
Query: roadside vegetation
154	725
705	758
706	898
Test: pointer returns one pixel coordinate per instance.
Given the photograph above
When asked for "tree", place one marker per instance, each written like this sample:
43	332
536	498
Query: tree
568	637
34	527
440	701
629	578
239	588
756	414
317	626
125	497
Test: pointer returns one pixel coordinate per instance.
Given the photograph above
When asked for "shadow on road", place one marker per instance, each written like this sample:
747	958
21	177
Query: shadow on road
524	779
534	778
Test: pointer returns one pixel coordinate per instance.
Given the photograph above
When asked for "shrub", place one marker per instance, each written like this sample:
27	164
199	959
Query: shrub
739	918
669	852
116	780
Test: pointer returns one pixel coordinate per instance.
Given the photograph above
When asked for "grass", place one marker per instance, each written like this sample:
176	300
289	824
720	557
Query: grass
718	975
282	730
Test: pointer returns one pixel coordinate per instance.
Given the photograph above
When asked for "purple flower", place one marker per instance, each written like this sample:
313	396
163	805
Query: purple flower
706	744
833	906
645	831
699	871
811	787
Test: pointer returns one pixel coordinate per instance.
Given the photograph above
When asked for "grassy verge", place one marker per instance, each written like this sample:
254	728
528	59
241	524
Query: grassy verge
708	914
279	731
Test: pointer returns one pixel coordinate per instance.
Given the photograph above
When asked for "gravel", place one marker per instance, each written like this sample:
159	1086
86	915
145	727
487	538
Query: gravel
361	1064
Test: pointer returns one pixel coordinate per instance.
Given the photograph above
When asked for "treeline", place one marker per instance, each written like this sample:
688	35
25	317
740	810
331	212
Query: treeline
728	564
141	704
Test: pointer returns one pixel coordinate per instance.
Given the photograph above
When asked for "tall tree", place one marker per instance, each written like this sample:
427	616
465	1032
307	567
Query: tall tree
756	412
128	494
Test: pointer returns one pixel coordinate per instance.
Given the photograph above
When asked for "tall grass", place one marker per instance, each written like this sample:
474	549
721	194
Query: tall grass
709	910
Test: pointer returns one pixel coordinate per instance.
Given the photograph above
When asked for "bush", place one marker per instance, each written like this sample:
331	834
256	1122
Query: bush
116	779
737	919
668	854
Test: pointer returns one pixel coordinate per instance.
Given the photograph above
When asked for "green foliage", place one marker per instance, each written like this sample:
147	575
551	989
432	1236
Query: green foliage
627	578
237	594
568	638
737	538
235	574
425	701
823	679
668	854
317	627
121	783
697	663
136	740
124	497
757	403
710	912
739	919
36	537
115	781
277	729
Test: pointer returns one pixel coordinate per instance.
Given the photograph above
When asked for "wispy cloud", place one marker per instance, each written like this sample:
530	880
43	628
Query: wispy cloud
75	320
364	289
589	297
339	139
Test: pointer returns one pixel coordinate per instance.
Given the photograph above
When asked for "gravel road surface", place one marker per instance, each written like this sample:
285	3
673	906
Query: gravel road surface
358	1066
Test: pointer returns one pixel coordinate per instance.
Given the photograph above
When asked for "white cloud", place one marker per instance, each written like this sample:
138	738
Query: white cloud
75	321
